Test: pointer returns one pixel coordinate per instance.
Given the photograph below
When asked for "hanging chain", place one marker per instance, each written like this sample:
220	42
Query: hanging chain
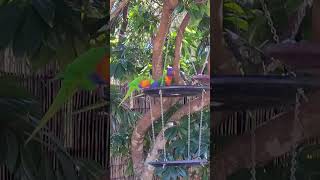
152	124
270	22
294	148
275	63
162	122
189	122
200	126
253	147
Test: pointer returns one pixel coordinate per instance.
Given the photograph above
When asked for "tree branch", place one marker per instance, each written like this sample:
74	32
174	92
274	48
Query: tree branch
178	46
111	4
176	117
124	24
141	129
168	7
315	21
144	123
117	11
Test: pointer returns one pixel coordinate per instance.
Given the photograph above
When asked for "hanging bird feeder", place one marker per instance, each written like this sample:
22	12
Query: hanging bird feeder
175	91
171	92
303	56
244	92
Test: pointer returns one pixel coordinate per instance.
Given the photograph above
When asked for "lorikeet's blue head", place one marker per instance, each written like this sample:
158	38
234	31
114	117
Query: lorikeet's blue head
155	84
169	71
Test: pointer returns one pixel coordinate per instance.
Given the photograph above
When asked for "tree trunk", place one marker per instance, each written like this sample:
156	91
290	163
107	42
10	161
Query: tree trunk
141	129
124	24
111	4
144	123
316	21
221	64
117	11
178	46
168	7
176	117
272	140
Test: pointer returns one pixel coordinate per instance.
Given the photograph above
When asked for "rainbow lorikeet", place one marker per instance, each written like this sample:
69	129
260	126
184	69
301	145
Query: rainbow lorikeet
145	84
168	77
80	74
137	84
101	74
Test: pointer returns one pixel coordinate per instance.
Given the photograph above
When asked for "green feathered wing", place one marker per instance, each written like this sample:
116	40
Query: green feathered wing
76	76
133	86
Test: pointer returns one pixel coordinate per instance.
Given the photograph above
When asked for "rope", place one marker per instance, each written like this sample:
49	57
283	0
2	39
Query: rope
189	122
253	146
200	126
294	148
152	124
167	48
162	122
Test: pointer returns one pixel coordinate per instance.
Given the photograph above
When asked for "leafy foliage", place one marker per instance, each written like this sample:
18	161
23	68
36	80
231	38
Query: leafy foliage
19	116
132	55
47	30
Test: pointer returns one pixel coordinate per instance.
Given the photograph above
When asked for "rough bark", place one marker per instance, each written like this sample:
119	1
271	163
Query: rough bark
176	117
112	3
316	21
144	123
178	46
276	137
124	24
221	63
168	7
272	140
140	130
117	11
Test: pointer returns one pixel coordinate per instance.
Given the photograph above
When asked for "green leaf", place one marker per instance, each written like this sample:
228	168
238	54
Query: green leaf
234	7
42	57
180	8
292	5
2	2
30	35
49	171
171	132
238	22
13	151
46	9
92	168
67	166
3	148
28	165
10	18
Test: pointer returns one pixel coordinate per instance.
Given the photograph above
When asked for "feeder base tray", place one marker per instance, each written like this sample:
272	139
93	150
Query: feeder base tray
176	91
301	56
195	162
244	92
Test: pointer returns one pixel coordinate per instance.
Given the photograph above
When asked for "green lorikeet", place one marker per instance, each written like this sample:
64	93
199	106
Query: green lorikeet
86	72
136	84
147	82
167	78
